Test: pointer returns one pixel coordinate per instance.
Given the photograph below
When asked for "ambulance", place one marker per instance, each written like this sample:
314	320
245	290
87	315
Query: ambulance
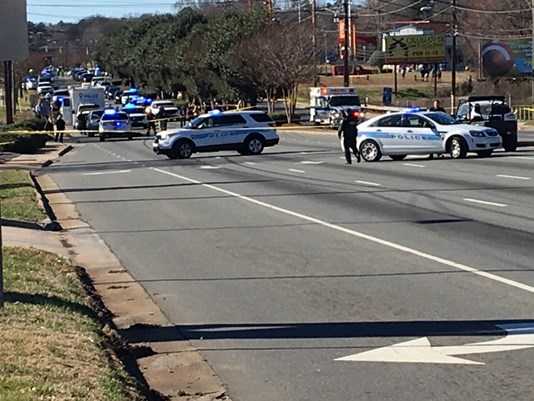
327	104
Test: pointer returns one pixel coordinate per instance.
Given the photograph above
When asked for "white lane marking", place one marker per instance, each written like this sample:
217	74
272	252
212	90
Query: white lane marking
513	177
210	167
518	337
371	184
250	163
482	202
293	170
413	165
110	172
311	162
524	157
376	240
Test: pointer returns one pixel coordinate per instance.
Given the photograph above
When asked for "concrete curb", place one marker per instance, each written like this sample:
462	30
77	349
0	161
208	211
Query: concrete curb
171	367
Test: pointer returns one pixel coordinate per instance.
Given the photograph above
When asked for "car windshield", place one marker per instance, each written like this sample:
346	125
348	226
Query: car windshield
114	116
195	123
134	110
441	118
337	101
88	107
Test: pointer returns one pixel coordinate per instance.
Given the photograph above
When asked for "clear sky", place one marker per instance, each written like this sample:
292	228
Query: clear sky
52	11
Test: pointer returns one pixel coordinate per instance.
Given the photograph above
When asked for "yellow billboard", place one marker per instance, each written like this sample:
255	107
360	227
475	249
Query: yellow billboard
415	49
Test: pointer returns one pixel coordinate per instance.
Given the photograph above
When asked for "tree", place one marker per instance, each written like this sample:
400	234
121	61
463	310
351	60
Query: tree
279	58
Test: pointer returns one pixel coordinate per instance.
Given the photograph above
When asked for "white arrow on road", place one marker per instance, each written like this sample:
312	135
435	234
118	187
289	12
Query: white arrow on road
518	336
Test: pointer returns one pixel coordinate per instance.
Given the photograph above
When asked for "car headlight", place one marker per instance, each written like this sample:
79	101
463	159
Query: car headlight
477	134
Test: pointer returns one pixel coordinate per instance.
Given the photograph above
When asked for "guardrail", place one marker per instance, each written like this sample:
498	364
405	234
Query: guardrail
524	112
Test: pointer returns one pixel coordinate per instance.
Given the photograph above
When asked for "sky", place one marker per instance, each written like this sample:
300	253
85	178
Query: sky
52	11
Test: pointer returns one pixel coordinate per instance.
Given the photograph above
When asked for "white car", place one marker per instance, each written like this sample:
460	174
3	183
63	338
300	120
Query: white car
44	87
114	123
164	108
423	132
248	132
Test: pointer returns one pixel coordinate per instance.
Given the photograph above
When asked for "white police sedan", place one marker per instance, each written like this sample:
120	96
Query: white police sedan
248	132
114	123
414	132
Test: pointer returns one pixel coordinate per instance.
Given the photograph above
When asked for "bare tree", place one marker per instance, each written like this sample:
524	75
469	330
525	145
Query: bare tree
277	59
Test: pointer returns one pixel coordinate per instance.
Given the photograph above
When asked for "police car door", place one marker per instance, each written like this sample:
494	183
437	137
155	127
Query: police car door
387	131
420	134
206	134
231	129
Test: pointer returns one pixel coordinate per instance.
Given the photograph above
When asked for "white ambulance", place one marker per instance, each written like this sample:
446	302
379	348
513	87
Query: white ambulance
327	104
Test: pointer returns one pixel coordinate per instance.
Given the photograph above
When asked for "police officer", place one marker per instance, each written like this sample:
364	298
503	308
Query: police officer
348	130
436	106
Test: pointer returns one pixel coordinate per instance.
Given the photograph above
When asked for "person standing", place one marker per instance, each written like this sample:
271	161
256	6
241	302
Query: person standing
348	131
436	106
151	117
59	128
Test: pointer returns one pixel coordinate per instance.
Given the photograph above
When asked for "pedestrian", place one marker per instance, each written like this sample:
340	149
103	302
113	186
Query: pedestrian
348	131
59	128
436	106
151	117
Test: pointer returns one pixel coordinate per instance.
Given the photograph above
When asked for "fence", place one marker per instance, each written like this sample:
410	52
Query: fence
524	113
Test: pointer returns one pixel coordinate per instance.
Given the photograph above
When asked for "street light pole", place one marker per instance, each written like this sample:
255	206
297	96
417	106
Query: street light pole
346	81
314	41
453	56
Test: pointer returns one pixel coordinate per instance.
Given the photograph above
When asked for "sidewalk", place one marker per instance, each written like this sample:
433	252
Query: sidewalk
44	157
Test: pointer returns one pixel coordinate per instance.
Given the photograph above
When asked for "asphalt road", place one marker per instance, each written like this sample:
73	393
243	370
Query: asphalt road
275	266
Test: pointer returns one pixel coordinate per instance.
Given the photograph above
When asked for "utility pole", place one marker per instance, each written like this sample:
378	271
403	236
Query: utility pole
1	262
8	90
531	59
314	40
346	81
454	27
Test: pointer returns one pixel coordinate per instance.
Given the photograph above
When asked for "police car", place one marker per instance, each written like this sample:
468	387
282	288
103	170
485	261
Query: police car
248	132
416	131
114	124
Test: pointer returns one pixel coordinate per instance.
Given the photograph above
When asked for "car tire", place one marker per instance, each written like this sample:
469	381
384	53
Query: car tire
91	134
182	149
254	145
457	147
485	153
370	151
398	158
102	138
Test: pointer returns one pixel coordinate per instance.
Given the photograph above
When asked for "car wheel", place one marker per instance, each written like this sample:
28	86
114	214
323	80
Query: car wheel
102	138
398	158
91	134
181	150
370	151
485	153
457	148
254	145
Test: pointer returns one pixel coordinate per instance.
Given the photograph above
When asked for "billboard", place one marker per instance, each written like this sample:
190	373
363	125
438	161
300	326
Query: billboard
13	30
352	35
415	49
512	58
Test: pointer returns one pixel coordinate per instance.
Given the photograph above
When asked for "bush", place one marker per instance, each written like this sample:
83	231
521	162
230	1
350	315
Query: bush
280	117
32	124
22	143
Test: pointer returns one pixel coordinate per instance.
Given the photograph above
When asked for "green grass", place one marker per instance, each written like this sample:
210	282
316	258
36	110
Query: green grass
18	197
53	346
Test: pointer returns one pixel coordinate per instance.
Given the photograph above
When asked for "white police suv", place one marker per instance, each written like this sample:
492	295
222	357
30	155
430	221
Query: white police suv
248	132
415	132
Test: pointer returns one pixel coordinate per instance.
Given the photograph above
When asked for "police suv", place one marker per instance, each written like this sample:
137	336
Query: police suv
114	123
415	132
248	132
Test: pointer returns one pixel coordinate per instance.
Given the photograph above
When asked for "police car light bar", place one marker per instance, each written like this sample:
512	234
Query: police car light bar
212	112
110	112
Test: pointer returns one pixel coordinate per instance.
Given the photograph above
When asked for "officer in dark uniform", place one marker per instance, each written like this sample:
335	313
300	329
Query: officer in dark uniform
348	131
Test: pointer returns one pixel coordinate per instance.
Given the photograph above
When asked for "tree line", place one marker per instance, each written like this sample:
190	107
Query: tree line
223	55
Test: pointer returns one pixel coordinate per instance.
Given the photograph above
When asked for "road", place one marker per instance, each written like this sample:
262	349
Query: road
275	266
